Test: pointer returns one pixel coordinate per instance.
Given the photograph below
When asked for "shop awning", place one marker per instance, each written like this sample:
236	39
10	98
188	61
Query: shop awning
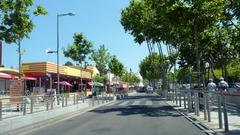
6	76
95	83
64	83
9	76
29	78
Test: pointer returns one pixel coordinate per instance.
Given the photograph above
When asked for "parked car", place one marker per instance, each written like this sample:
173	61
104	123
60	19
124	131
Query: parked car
234	87
149	89
142	89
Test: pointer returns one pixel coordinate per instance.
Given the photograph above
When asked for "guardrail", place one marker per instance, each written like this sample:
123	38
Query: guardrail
194	99
24	105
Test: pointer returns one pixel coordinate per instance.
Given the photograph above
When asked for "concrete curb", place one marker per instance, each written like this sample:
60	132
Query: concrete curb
17	126
206	129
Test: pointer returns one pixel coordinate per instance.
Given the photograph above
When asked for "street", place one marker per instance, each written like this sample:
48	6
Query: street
139	114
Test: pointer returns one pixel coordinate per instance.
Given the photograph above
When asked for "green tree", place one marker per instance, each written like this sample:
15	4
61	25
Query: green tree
130	78
80	48
116	67
101	57
68	63
15	19
101	79
149	67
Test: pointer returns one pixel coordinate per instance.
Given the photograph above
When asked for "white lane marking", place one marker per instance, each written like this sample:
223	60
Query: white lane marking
124	103
136	102
149	103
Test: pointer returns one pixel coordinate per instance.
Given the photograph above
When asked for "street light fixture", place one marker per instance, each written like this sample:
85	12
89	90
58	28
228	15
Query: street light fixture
58	76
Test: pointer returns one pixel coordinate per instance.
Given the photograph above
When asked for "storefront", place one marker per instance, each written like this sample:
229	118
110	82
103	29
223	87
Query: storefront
72	79
9	77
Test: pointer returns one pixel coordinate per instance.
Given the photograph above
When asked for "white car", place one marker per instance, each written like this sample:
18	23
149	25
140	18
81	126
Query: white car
149	89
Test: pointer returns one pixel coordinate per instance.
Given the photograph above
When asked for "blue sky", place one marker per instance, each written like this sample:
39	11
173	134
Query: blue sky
98	20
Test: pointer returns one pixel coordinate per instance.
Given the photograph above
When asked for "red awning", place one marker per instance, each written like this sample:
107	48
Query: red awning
29	78
64	83
6	76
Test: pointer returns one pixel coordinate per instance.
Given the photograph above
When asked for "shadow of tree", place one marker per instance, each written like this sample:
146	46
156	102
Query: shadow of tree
145	111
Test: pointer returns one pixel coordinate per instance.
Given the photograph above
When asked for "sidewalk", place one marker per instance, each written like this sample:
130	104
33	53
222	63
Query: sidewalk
233	120
23	123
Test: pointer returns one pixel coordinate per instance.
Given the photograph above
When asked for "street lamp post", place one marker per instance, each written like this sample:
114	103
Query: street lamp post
58	75
57	51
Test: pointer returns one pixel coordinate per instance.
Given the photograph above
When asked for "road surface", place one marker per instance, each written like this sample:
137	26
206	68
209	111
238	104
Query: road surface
139	114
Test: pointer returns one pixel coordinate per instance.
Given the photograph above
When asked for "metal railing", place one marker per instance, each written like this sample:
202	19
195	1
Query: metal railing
199	100
24	105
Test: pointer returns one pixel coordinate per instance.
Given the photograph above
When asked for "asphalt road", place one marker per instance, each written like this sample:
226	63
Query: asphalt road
140	114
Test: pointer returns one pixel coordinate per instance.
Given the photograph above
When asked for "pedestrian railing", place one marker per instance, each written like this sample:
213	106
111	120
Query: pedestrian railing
24	105
196	100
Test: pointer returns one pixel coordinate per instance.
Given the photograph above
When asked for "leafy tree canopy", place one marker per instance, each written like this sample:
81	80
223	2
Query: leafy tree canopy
80	48
101	57
15	22
115	66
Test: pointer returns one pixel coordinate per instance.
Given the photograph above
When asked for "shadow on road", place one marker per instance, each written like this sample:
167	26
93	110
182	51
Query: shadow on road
145	111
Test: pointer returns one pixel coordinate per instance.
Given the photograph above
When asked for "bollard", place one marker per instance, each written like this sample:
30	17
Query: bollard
92	100
24	106
66	102
102	99
82	98
98	100
77	99
225	114
52	103
62	101
189	101
220	111
208	109
0	109
197	103
205	106
74	99
47	104
184	100
173	98
176	96
180	99
31	106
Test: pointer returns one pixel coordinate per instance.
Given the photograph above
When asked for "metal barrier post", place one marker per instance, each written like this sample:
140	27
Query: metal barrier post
52	103
197	94
92	100
47	104
62	101
220	111
31	106
208	109
66	102
180	98
24	106
77	98
184	99
74	99
102	99
225	114
83	98
98	100
195	103
0	109
173	94
176	97
189	101
205	105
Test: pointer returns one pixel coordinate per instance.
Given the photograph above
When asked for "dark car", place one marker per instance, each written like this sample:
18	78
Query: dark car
142	89
234	87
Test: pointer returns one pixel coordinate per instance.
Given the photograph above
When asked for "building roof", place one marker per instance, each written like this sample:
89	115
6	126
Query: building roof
49	67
